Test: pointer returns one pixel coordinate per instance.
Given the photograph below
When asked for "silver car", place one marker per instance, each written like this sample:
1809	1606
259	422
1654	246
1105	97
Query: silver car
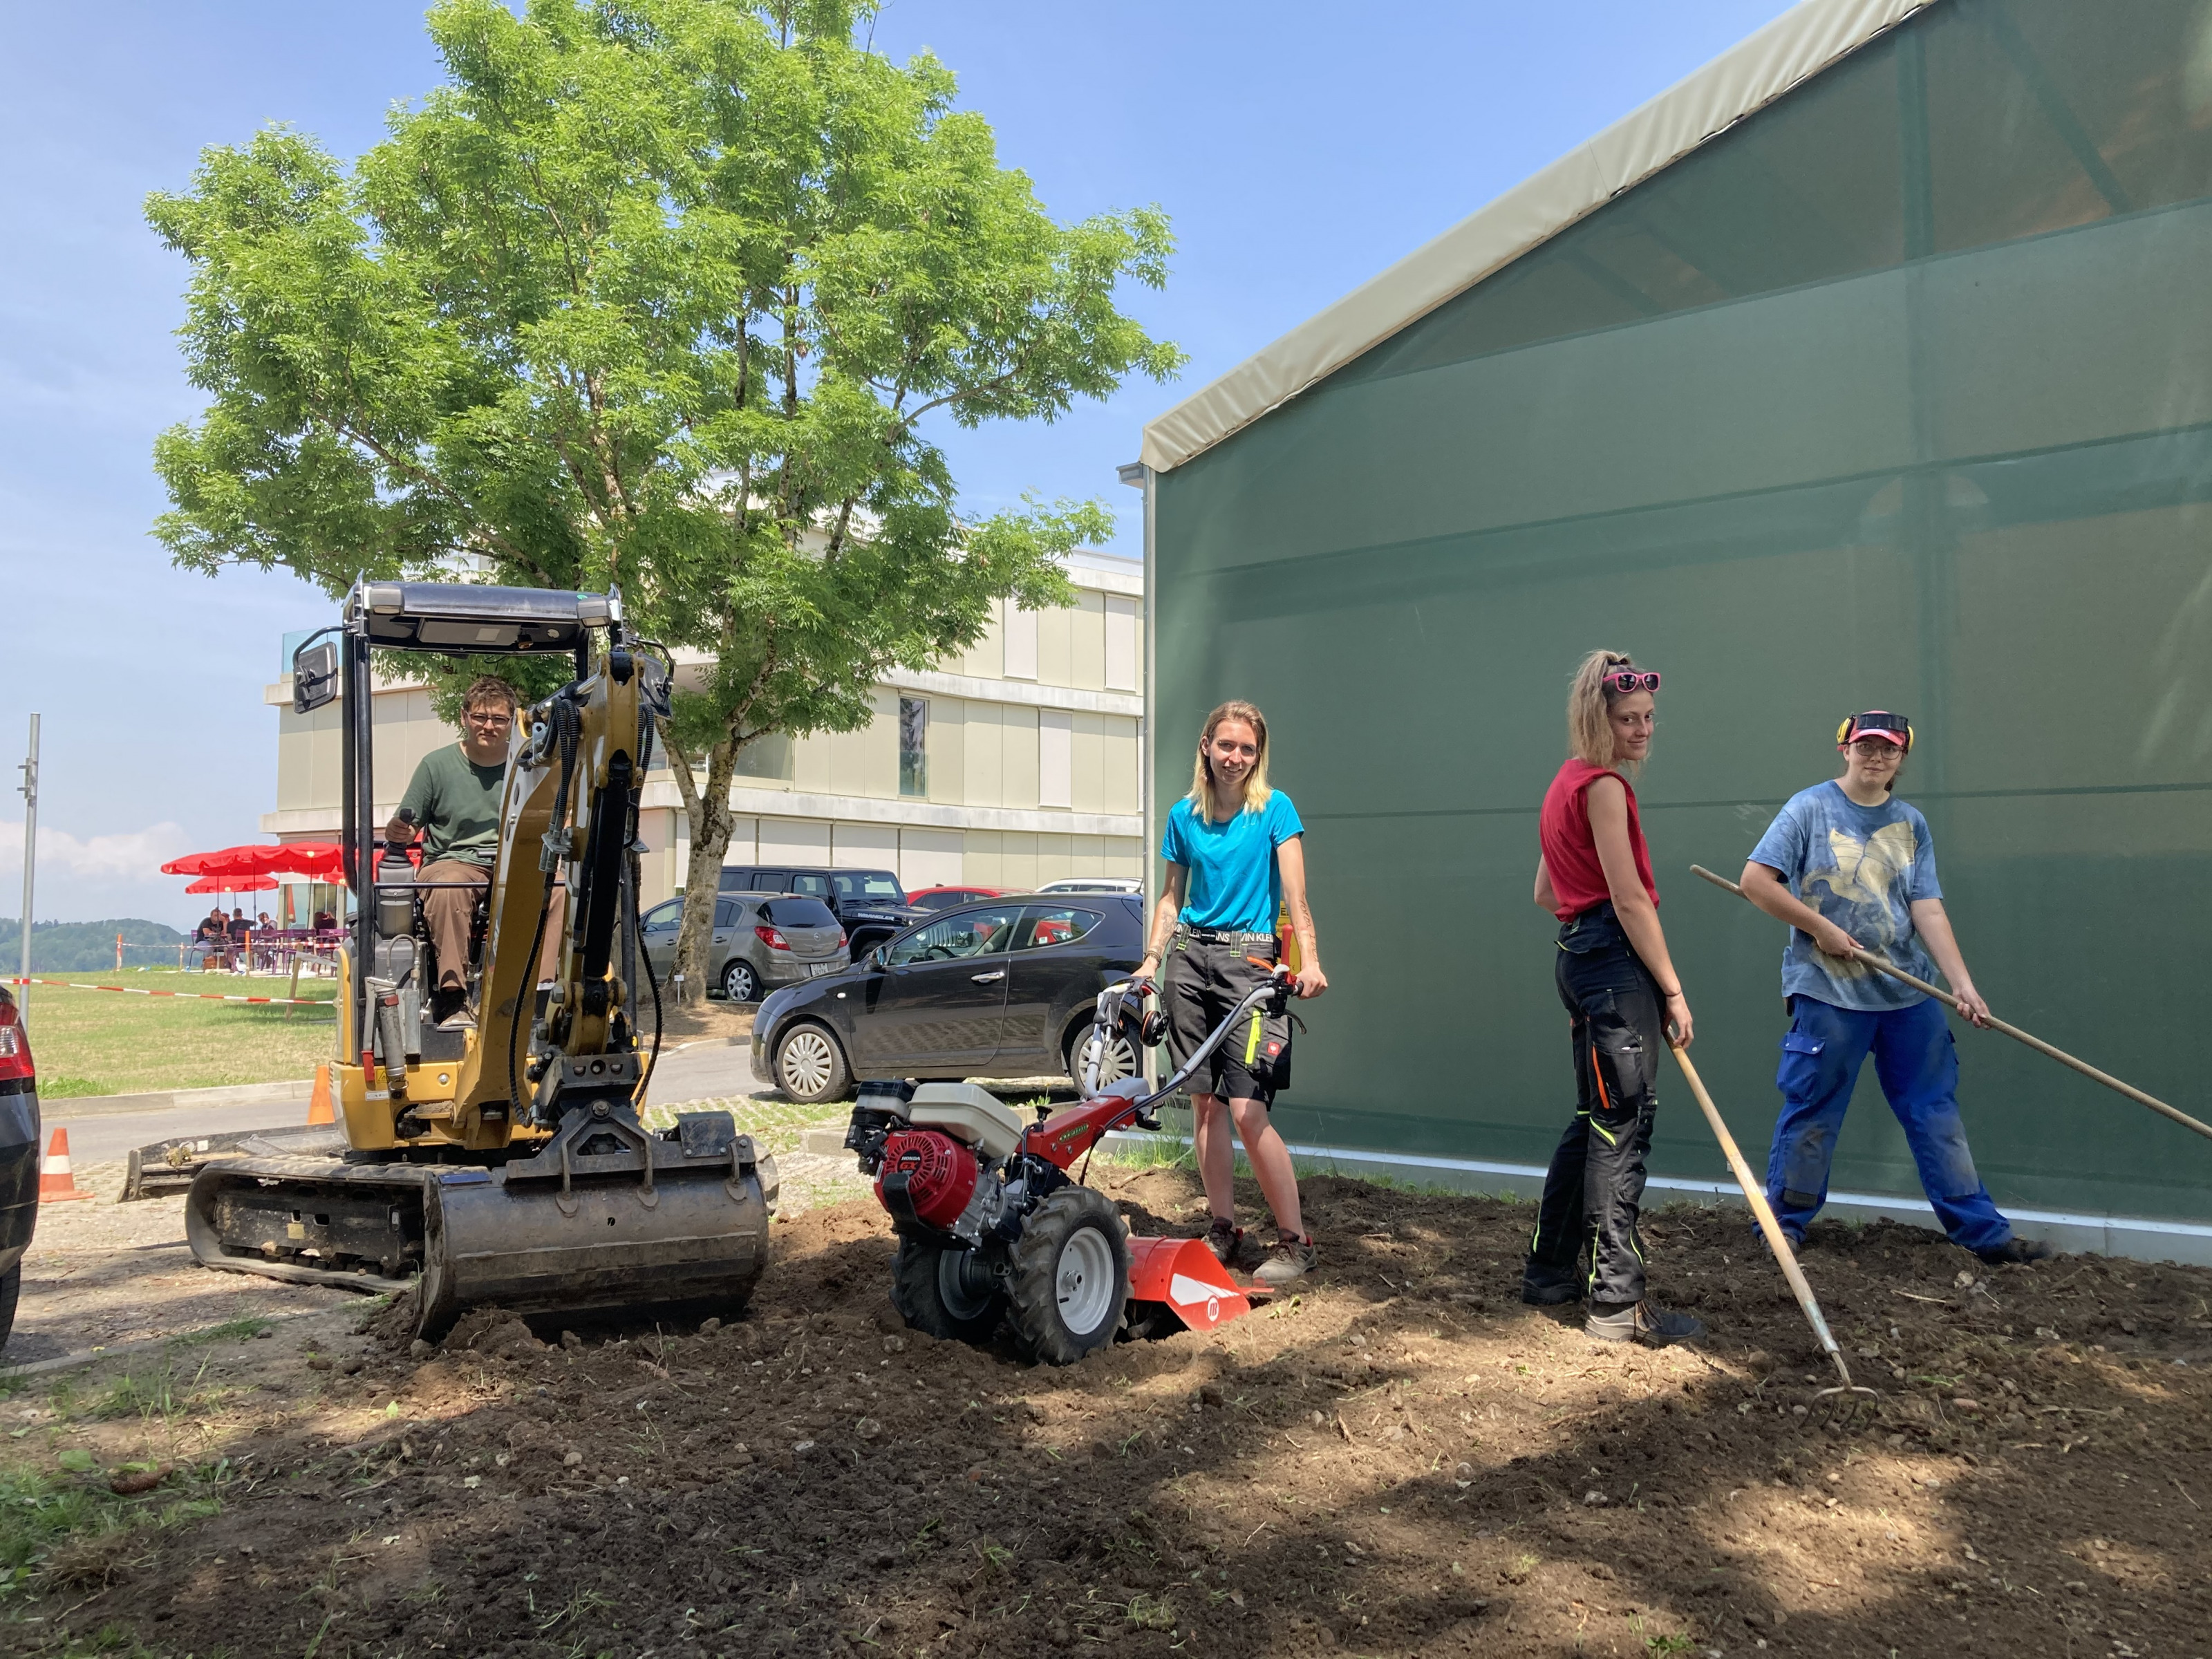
760	941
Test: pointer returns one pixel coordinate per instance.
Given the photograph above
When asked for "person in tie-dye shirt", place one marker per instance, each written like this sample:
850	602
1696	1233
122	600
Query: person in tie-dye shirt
1847	864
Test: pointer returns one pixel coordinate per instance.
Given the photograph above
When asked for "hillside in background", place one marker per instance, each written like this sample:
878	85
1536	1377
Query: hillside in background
76	947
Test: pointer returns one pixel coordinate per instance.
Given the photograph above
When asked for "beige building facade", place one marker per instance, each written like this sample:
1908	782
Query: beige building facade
1015	763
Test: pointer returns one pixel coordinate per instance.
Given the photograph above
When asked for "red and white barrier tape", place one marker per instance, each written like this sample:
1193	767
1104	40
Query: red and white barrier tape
189	996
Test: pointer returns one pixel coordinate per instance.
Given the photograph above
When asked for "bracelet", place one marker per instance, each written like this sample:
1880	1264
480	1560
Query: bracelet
1669	995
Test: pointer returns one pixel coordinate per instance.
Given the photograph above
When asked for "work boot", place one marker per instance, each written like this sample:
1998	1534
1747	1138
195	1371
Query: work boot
1545	1286
1222	1238
1639	1322
1290	1257
2017	1250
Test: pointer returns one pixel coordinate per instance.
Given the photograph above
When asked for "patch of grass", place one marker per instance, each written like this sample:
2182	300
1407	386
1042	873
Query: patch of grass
93	1043
231	1330
775	1125
156	1397
55	1525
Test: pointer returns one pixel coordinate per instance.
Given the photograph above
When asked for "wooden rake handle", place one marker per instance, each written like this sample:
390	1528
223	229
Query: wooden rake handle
1881	964
1755	1194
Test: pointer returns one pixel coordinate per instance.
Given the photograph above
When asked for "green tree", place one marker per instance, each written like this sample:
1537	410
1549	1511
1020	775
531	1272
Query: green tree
666	294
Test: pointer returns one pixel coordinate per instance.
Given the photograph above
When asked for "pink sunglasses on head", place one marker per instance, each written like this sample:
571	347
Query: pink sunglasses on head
1626	680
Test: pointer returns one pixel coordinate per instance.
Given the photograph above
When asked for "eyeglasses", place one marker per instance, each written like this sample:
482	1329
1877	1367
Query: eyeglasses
475	719
1626	680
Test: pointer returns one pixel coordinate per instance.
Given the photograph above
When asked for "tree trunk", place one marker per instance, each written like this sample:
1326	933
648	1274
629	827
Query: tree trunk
709	813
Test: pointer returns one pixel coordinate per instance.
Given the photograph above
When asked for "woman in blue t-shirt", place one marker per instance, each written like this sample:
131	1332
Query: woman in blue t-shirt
1235	861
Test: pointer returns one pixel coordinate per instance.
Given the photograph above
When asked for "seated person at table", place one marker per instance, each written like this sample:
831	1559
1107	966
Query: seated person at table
208	937
455	801
264	925
325	921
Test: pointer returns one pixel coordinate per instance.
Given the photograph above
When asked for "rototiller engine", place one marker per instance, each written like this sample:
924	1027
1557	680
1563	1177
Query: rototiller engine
991	1226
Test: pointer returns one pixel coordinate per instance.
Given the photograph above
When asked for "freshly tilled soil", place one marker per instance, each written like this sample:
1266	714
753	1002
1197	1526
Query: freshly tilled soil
1398	1458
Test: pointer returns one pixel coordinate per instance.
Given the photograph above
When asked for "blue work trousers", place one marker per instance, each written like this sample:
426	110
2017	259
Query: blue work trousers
1918	1066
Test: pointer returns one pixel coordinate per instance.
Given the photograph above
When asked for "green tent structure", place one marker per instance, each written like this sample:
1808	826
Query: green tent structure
1871	366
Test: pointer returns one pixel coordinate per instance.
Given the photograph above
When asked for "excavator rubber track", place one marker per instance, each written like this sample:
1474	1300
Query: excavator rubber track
607	1216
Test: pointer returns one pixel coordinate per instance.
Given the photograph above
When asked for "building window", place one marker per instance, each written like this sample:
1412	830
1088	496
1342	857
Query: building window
1021	643
1055	758
914	746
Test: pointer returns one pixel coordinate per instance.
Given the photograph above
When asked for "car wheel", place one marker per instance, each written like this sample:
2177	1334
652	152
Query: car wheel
1071	1277
810	1065
11	1287
1120	1061
952	1295
740	982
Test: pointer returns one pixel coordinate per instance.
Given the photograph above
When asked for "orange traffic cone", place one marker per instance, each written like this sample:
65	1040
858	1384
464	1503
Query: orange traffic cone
56	1184
318	1103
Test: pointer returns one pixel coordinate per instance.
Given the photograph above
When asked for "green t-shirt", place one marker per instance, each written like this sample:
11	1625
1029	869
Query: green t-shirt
455	803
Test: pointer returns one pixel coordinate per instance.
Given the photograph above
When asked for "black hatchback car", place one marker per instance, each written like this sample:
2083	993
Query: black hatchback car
1001	987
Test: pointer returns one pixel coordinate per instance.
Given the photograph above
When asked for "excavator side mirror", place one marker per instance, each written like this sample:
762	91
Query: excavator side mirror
315	678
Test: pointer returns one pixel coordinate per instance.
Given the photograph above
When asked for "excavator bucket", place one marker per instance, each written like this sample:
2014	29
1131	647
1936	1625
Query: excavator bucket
608	1215
1180	1277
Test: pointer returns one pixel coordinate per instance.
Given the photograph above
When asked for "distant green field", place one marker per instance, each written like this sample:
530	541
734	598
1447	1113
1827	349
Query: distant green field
100	1043
75	946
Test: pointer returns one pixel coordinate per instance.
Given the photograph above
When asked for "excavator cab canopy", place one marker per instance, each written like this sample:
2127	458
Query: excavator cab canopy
462	620
457	619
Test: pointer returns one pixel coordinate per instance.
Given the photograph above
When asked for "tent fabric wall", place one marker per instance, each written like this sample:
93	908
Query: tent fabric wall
1796	45
1898	394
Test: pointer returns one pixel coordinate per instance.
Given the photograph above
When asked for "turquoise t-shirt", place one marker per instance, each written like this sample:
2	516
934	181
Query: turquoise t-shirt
1234	885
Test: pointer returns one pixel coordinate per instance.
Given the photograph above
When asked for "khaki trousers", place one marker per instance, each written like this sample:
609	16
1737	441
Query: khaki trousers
445	912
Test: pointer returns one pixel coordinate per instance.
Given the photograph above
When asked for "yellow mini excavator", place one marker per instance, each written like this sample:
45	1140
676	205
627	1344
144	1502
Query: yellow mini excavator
506	1163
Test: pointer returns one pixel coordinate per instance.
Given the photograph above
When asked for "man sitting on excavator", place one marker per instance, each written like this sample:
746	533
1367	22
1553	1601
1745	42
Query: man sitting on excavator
454	800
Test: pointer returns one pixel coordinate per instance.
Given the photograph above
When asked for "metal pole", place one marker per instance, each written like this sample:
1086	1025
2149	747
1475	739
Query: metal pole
29	790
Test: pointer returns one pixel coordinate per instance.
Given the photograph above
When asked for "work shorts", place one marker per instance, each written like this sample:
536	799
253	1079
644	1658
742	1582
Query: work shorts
1205	977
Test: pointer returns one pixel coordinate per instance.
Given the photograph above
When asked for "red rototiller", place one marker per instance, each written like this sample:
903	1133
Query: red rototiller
991	1225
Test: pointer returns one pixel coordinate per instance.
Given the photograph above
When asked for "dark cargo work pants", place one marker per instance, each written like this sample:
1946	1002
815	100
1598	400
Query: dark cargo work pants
1595	1190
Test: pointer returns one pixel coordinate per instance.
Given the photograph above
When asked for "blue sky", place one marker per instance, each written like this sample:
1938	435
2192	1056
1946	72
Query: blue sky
1298	148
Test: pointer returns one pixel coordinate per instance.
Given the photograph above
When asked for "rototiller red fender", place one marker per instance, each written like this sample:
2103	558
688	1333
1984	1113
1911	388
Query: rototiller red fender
991	1226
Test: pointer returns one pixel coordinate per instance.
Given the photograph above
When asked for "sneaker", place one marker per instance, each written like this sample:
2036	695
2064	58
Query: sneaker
1639	1322
1543	1285
1290	1257
1222	1238
2014	1251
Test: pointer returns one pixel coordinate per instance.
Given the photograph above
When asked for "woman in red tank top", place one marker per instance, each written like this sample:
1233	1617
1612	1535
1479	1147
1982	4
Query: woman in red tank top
1624	1002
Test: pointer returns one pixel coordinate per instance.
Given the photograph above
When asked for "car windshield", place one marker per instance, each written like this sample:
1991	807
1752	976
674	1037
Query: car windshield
879	884
796	913
966	934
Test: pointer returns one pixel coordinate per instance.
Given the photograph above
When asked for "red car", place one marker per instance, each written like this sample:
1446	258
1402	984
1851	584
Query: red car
19	1155
940	898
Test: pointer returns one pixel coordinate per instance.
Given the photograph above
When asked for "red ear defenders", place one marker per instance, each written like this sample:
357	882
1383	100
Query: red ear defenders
1855	726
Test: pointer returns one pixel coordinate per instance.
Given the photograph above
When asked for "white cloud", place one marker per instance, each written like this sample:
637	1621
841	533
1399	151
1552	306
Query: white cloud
134	855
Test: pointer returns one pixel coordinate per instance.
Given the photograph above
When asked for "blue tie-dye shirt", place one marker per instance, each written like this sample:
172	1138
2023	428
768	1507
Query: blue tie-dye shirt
1860	867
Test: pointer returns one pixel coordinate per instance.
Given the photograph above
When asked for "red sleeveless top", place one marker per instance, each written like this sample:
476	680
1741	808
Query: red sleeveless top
1571	851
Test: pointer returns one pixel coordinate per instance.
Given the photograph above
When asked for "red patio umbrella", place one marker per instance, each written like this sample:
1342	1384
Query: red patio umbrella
319	860
233	884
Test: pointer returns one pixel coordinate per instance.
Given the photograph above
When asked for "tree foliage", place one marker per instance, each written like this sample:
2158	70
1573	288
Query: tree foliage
666	294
